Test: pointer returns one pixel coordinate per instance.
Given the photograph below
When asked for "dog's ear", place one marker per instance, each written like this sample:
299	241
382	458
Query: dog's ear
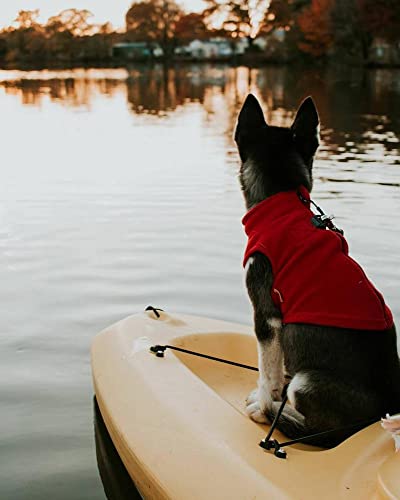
251	118
305	128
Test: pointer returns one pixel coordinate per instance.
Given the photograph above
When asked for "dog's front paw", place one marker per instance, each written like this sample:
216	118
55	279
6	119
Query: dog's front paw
254	409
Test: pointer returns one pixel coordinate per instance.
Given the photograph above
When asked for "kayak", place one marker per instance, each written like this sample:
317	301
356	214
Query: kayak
179	425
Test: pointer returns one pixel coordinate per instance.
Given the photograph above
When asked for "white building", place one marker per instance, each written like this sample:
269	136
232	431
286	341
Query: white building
213	48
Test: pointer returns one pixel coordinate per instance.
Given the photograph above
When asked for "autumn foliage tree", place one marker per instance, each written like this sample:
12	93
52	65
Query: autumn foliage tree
284	15
68	36
140	24
239	18
347	28
357	23
315	24
351	39
381	18
74	21
154	21
191	27
332	27
27	19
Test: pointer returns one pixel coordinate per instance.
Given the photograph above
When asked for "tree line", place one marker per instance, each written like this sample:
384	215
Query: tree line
311	29
66	37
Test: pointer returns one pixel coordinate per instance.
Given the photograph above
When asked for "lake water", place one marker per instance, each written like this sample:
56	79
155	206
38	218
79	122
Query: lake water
119	190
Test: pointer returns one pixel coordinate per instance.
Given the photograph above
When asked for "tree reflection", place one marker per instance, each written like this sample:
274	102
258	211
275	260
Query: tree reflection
70	90
352	105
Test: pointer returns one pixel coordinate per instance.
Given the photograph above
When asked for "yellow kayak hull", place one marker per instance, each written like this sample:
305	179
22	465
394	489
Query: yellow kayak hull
180	428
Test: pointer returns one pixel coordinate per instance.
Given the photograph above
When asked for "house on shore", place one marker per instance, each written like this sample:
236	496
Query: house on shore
132	51
199	50
383	53
214	48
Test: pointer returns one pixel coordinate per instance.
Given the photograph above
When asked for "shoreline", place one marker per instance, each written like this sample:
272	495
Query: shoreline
234	62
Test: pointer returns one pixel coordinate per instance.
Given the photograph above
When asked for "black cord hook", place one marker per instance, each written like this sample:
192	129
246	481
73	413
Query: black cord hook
155	310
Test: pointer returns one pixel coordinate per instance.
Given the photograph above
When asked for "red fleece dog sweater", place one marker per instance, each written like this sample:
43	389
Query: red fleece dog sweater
315	279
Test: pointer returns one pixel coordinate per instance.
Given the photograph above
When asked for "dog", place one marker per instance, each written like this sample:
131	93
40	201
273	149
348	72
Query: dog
333	348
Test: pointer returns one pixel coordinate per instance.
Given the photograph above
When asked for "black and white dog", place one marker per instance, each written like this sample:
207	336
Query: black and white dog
338	373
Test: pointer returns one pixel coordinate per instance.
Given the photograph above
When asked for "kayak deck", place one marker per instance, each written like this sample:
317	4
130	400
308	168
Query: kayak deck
232	383
180	427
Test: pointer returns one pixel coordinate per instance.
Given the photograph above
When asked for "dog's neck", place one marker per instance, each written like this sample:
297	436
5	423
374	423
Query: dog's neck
282	202
256	188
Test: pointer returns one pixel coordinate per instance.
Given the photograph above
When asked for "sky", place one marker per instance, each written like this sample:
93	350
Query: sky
103	10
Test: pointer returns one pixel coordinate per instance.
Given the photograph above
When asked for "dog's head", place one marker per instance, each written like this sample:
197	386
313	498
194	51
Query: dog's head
275	159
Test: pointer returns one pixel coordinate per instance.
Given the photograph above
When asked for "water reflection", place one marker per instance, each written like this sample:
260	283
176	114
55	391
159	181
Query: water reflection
73	88
115	478
357	108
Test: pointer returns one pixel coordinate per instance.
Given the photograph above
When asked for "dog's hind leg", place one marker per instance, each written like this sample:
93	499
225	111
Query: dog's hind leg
321	403
291	422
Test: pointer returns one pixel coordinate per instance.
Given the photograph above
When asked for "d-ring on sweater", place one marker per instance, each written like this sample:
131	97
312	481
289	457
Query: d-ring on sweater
315	279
